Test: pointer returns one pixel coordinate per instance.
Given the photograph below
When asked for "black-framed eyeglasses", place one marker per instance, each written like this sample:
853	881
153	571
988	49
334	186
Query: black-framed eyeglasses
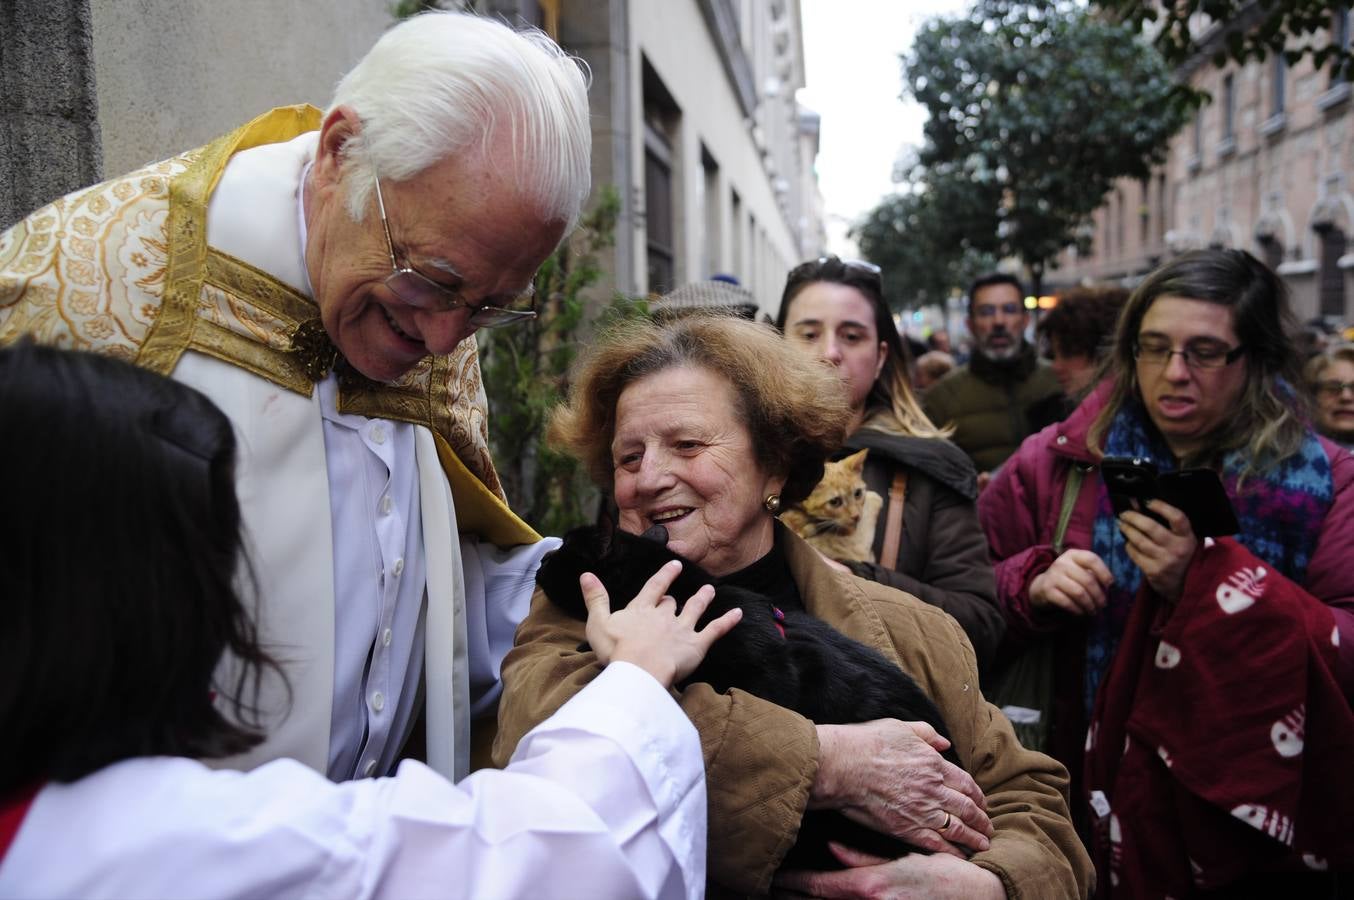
1333	388
421	292
1196	356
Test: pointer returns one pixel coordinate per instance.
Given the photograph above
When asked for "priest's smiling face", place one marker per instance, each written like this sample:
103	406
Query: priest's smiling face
459	223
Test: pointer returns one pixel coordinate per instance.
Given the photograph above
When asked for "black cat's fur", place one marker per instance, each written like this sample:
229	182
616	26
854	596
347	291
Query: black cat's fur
812	668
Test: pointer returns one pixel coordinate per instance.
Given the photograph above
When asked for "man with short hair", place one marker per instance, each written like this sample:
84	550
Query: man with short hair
320	276
986	401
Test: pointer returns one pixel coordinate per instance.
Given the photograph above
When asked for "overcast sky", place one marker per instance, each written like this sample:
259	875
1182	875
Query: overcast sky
854	79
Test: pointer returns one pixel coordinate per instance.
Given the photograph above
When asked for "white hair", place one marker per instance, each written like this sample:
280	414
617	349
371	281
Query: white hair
440	82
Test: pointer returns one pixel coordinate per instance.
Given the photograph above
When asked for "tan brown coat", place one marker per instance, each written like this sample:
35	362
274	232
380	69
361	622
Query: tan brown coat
761	759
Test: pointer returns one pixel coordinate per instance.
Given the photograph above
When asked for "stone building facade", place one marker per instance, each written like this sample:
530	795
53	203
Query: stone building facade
1267	166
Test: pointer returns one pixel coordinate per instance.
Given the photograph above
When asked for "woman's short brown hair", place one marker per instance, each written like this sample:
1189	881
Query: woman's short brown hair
795	408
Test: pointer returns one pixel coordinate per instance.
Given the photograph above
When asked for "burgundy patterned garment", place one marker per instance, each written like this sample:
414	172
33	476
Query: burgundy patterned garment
1221	743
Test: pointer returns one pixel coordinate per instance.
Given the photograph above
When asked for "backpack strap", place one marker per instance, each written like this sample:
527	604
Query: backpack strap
893	522
1070	491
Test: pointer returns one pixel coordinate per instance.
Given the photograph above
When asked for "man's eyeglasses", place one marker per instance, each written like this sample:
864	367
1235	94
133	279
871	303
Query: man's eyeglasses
1334	388
1006	309
1196	356
420	291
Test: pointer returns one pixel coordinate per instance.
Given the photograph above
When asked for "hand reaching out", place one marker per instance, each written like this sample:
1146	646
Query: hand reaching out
649	632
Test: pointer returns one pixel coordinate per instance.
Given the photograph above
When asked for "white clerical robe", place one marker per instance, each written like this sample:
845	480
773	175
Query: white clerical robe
604	799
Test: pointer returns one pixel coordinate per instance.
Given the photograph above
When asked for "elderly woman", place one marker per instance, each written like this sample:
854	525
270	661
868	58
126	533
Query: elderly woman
1330	378
927	538
706	425
1201	376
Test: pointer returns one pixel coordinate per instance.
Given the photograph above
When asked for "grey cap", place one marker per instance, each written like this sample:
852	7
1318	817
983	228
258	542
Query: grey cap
706	296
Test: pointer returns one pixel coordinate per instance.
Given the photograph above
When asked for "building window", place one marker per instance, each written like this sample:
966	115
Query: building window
661	182
1271	251
1197	159
739	264
1340	38
1331	278
1229	107
711	215
1278	85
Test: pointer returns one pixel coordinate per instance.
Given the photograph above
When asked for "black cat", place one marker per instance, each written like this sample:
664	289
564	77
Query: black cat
790	658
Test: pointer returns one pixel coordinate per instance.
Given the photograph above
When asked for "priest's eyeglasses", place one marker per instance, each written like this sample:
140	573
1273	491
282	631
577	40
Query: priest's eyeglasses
420	291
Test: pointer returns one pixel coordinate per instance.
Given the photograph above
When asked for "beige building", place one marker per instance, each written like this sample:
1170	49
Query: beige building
1267	166
697	122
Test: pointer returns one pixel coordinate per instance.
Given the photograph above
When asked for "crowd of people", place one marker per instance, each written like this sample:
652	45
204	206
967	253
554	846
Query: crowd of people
268	600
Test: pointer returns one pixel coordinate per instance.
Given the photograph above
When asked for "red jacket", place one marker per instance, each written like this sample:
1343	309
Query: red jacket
1019	511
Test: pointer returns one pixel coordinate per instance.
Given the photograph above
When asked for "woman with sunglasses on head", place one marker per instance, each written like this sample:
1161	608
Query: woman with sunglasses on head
927	541
1185	664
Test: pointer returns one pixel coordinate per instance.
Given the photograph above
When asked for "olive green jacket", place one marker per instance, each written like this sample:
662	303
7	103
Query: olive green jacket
988	405
761	759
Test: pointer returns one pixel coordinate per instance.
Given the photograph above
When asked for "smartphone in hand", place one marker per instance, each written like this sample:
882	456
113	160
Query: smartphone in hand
1198	493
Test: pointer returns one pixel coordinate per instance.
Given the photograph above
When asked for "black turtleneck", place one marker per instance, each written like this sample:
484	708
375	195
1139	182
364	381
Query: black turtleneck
769	576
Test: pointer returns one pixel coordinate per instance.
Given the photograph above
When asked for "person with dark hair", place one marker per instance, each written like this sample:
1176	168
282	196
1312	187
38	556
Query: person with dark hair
1187	657
123	543
707	425
321	276
927	539
986	402
1075	336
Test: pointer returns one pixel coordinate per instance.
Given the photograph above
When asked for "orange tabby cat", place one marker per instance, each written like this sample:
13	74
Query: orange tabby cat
839	516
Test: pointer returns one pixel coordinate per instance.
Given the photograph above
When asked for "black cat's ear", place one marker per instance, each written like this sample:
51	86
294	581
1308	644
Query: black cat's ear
656	533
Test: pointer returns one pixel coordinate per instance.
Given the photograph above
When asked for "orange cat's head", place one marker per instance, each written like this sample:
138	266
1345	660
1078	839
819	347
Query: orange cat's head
836	502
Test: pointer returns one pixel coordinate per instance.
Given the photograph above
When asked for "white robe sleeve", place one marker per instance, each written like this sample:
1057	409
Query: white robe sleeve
604	799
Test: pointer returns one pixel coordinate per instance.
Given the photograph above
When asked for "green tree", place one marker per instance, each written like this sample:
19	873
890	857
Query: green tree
917	240
1240	30
525	368
1036	108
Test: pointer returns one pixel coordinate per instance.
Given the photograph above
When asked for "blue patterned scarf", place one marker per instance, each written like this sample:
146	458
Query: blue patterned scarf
1280	514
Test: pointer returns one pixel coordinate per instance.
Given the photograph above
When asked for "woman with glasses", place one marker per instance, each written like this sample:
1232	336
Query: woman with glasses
1330	378
1153	624
927	540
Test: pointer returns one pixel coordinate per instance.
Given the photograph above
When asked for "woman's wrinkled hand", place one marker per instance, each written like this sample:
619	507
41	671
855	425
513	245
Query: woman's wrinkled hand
873	878
1163	552
890	776
1075	583
649	632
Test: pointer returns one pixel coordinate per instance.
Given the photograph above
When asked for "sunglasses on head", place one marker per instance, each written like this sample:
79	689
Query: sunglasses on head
833	267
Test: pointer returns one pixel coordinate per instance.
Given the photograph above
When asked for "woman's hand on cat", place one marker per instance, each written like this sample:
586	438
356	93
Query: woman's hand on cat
1075	583
876	878
890	776
649	632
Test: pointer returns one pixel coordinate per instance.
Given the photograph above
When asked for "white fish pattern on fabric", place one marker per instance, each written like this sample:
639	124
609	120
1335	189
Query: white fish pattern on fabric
1265	820
1314	862
1168	656
1165	756
1116	849
1287	733
1335	636
1243	588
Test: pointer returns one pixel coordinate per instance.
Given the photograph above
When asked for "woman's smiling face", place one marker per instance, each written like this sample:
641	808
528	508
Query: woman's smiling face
684	459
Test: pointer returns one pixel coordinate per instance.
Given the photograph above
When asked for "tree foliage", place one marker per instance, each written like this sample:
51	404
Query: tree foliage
1036	108
914	240
525	367
1238	30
